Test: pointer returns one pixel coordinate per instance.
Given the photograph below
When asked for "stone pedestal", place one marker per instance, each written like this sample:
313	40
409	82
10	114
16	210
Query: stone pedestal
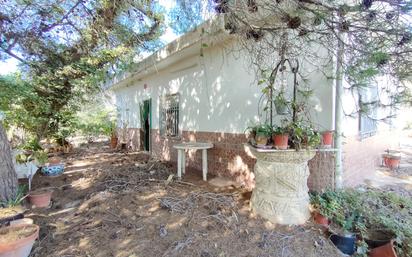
281	191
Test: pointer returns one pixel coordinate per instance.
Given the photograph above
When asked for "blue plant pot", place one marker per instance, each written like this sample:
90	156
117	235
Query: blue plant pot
346	244
52	170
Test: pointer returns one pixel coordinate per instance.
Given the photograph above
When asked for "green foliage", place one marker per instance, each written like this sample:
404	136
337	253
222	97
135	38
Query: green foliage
362	211
280	130
66	49
264	130
95	119
303	135
41	157
20	195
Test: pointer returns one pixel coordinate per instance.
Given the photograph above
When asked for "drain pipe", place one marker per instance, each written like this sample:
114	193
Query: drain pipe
338	115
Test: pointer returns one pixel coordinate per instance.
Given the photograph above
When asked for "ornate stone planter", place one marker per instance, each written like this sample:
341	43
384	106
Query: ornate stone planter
281	191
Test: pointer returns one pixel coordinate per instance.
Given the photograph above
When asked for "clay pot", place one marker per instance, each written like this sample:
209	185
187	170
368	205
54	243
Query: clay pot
20	247
261	139
321	220
10	214
113	141
386	250
281	141
391	161
327	139
378	237
41	198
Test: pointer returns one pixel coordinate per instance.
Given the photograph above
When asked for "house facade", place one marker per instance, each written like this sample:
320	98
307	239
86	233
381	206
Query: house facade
201	87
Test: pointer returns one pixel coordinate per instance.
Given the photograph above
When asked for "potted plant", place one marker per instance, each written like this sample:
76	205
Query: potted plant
18	240
251	132
386	250
40	198
303	135
345	218
321	211
263	133
391	159
327	139
281	104
12	210
280	138
343	235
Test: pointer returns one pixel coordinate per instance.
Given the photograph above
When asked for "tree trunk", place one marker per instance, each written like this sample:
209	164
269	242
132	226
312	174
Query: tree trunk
8	176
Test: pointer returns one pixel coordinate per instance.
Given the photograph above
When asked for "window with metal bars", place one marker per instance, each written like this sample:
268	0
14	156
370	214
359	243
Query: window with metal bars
368	98
169	115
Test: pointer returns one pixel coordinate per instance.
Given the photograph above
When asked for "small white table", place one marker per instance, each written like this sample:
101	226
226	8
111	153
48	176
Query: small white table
191	146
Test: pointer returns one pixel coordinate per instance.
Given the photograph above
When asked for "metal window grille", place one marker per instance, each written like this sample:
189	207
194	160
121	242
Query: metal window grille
169	116
368	102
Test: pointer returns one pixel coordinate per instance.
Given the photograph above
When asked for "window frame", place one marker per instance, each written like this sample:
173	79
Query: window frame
367	126
169	104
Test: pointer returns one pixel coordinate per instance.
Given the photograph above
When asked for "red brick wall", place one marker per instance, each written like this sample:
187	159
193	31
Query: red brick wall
228	157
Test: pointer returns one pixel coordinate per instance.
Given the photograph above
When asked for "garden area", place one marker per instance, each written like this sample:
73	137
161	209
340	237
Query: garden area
109	202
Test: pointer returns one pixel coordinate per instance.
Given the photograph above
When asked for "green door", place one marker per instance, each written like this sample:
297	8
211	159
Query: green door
145	122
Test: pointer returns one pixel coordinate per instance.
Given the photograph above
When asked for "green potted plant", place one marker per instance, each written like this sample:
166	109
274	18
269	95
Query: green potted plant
321	210
263	133
303	135
280	138
251	131
12	209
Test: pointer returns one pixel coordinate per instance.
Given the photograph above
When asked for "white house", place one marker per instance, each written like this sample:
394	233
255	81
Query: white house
198	89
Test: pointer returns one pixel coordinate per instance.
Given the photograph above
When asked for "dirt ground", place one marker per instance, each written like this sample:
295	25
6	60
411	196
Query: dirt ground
110	203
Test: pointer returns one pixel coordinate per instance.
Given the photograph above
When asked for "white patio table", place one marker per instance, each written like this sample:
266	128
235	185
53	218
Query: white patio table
191	146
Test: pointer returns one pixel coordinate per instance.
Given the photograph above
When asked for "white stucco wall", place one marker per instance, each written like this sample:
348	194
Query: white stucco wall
218	93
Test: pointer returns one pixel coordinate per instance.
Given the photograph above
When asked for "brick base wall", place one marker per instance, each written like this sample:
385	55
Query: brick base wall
228	156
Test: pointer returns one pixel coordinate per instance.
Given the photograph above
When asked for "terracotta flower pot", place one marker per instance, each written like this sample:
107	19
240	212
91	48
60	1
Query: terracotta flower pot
391	161
41	198
327	139
321	220
18	240
113	141
281	141
386	250
7	215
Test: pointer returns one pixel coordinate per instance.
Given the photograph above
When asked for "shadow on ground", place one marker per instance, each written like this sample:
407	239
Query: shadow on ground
110	203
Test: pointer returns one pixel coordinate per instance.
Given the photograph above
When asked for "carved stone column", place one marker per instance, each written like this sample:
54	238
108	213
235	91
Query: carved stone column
281	191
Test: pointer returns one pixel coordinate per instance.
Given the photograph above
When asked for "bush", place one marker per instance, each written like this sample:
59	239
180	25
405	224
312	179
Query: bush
362	211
